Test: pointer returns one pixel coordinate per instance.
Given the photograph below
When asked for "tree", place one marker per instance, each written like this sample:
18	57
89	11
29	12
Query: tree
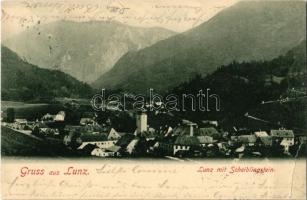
10	115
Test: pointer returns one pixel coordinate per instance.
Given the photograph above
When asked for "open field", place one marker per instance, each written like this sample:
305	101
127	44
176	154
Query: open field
14	143
28	110
17	104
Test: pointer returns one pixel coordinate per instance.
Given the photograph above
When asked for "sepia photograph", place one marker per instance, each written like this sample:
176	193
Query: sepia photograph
153	99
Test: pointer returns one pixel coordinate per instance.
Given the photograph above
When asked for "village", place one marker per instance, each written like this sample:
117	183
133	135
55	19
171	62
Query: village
186	140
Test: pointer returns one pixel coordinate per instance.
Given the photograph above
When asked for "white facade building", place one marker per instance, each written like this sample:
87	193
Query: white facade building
141	122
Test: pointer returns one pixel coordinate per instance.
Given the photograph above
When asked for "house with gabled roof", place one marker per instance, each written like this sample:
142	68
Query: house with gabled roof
283	137
282	133
209	131
20	124
205	140
98	139
181	130
266	141
248	140
263	139
185	143
261	134
113	135
109	152
131	146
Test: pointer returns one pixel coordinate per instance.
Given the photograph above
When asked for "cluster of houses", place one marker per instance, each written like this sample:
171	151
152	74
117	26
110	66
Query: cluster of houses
188	139
47	126
19	124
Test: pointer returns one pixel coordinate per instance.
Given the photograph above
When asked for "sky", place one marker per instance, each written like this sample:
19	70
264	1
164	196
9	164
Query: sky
179	16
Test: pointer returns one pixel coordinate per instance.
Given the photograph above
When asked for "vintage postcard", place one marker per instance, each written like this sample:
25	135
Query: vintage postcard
153	99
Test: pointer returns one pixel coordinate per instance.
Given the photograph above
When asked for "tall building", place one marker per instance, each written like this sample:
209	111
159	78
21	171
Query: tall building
192	128
141	122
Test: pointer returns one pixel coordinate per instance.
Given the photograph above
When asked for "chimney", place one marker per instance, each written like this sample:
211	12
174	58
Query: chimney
191	130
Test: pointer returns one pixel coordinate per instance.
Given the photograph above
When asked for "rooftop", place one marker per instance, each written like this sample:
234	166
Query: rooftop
247	138
205	139
90	137
282	133
187	140
210	131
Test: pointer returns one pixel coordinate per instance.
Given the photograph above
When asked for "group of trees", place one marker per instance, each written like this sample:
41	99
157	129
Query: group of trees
24	82
243	87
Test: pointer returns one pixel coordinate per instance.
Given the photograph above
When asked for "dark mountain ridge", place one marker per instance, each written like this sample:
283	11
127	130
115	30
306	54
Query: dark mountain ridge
260	30
26	82
84	50
270	90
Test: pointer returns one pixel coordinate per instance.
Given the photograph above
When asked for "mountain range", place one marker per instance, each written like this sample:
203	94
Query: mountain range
26	82
247	31
85	50
272	92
